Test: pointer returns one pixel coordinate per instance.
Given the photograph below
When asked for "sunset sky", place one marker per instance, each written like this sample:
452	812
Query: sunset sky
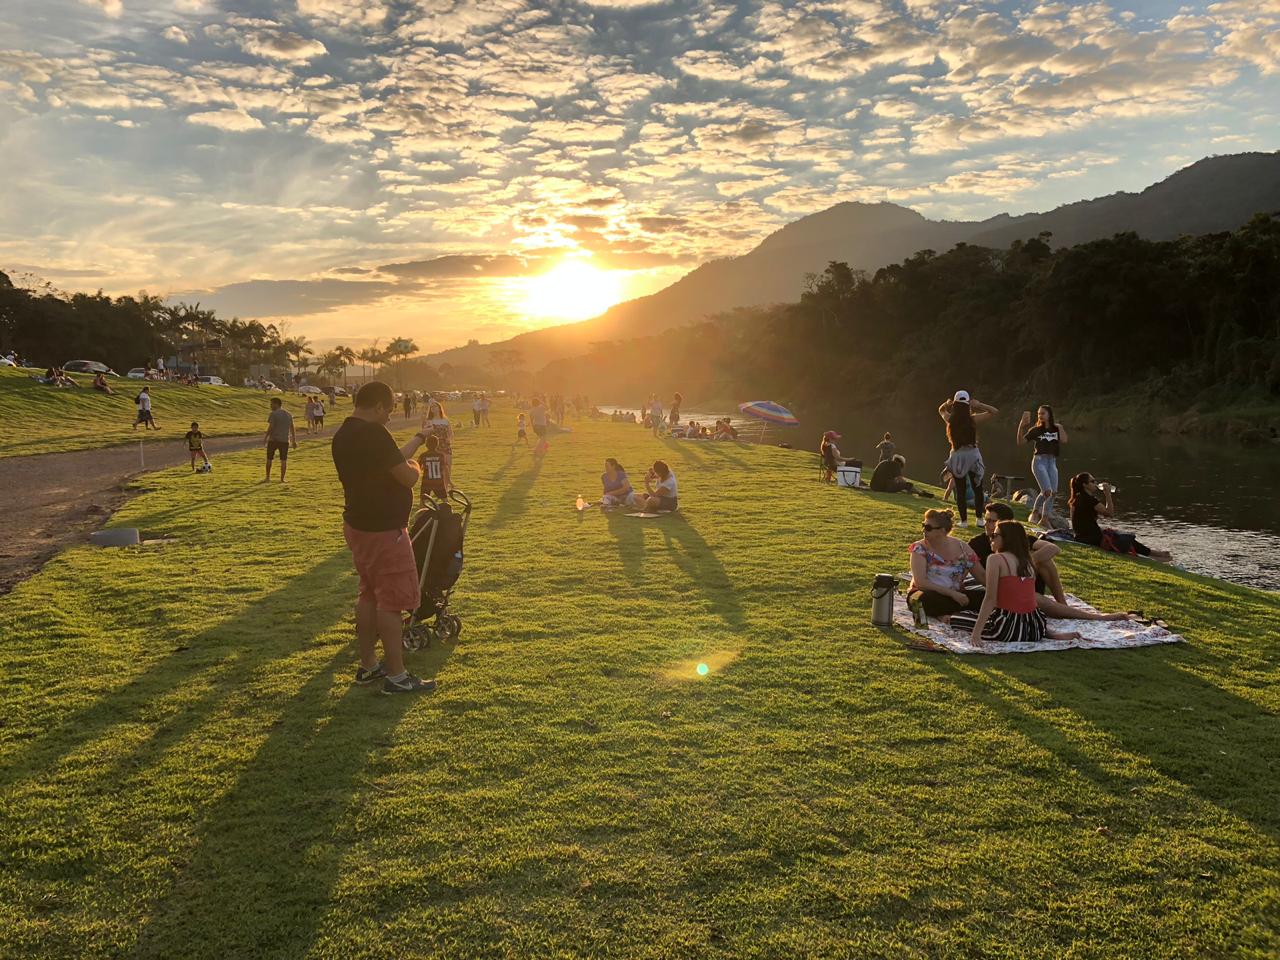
363	168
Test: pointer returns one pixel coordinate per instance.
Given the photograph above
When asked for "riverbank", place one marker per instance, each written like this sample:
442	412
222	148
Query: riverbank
186	765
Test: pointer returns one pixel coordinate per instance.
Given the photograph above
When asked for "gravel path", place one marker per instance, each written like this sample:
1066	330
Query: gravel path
54	500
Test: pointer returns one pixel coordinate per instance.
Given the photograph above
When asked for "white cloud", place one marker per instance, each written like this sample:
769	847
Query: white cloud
236	120
175	34
111	8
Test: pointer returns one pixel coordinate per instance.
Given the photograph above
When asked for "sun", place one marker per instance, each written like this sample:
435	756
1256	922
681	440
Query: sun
572	290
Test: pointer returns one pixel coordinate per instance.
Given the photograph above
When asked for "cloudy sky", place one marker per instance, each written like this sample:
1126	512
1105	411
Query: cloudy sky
364	168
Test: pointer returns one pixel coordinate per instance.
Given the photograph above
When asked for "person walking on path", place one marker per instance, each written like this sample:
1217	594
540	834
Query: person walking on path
962	416
279	437
145	417
378	479
1046	438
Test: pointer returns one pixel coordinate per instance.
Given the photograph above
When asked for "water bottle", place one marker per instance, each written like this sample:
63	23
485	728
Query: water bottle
582	504
882	591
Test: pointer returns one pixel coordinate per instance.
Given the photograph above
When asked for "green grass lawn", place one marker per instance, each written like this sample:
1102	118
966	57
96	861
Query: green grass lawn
39	419
187	771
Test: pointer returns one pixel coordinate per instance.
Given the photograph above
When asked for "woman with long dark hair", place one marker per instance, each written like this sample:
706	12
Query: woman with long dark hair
1046	438
436	422
1091	499
617	490
962	414
1009	611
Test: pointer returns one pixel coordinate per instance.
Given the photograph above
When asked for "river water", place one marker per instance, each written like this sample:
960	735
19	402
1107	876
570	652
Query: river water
1214	506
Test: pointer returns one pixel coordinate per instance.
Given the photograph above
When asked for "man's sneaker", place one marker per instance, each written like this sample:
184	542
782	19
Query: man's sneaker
364	676
916	604
410	684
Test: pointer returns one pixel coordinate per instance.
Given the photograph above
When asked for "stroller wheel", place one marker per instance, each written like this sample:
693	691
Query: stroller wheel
417	636
457	626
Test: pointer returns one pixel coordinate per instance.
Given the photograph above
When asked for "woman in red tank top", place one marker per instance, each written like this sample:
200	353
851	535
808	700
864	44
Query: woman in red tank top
1009	613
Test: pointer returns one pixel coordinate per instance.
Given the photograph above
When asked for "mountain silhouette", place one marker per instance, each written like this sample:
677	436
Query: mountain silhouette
1212	195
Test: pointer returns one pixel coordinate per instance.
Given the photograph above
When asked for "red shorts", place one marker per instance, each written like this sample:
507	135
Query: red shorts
388	571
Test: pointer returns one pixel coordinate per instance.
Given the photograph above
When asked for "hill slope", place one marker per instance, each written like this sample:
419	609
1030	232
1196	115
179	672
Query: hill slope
1211	195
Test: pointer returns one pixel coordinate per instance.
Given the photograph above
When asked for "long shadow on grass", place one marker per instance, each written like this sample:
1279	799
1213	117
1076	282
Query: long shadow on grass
686	449
150	521
629	532
236	648
261	878
506	465
515	499
1221	747
699	563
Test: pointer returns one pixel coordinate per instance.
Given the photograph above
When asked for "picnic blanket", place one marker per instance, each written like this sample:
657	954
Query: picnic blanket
1096	634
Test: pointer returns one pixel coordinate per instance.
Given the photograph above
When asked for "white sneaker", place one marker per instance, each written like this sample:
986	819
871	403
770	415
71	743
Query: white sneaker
962	523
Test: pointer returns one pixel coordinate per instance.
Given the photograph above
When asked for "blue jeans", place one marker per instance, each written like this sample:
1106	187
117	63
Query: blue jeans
1044	467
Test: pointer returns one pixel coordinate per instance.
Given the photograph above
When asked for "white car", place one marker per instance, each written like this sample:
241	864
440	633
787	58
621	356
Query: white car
137	373
6	362
211	381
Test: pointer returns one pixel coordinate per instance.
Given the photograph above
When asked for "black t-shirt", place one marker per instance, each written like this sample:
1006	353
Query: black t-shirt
884	474
365	454
1084	519
1045	439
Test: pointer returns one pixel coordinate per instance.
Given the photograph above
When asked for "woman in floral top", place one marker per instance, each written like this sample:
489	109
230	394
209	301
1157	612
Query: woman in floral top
939	564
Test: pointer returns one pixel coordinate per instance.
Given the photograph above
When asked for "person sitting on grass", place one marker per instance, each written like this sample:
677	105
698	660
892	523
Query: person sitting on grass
660	487
888	478
1043	554
195	445
1086	506
1009	612
618	491
431	465
100	383
939	564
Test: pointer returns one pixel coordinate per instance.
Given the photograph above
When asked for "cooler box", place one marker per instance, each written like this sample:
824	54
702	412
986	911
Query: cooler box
848	476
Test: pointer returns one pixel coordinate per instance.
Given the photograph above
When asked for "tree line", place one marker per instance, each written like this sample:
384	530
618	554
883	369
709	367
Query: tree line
48	327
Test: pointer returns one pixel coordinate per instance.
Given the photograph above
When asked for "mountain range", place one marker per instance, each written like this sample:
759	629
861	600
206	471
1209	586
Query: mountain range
1212	195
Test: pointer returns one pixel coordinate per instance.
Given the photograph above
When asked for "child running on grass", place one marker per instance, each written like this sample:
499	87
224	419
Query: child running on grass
195	444
521	432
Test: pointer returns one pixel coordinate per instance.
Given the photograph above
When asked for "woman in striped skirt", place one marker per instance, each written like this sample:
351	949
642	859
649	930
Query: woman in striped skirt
1009	613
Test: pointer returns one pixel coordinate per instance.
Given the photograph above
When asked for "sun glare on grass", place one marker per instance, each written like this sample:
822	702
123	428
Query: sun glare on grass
572	290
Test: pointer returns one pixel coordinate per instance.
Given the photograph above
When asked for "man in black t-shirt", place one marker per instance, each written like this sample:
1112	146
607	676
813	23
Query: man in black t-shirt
377	482
888	478
1042	551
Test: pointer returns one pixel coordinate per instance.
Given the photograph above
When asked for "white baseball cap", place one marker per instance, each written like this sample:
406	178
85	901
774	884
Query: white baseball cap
962	396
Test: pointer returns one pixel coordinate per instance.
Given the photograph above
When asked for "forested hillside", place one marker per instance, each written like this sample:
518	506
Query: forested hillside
1180	322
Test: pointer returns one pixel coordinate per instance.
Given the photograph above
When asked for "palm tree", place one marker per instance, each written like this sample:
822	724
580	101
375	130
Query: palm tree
298	349
347	356
397	351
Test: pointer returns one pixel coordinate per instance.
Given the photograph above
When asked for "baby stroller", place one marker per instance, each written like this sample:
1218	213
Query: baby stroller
437	534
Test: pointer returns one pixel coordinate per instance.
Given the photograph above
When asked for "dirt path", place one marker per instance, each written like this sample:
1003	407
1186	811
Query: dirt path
53	500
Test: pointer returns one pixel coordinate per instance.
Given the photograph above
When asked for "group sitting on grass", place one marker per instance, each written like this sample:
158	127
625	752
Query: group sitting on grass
998	598
659	495
55	377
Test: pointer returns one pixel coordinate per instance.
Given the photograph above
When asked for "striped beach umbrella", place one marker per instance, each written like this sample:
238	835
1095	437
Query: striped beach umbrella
769	412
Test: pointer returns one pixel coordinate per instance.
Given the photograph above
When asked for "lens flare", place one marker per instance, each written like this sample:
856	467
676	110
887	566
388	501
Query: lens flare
703	669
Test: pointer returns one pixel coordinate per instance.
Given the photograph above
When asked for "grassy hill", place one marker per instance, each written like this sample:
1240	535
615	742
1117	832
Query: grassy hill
39	419
186	769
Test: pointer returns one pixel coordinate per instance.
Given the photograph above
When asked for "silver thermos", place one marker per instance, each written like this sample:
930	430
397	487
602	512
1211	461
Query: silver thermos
882	592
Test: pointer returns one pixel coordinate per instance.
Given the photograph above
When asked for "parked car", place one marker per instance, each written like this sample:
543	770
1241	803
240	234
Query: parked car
340	392
6	362
88	366
137	373
311	391
212	381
